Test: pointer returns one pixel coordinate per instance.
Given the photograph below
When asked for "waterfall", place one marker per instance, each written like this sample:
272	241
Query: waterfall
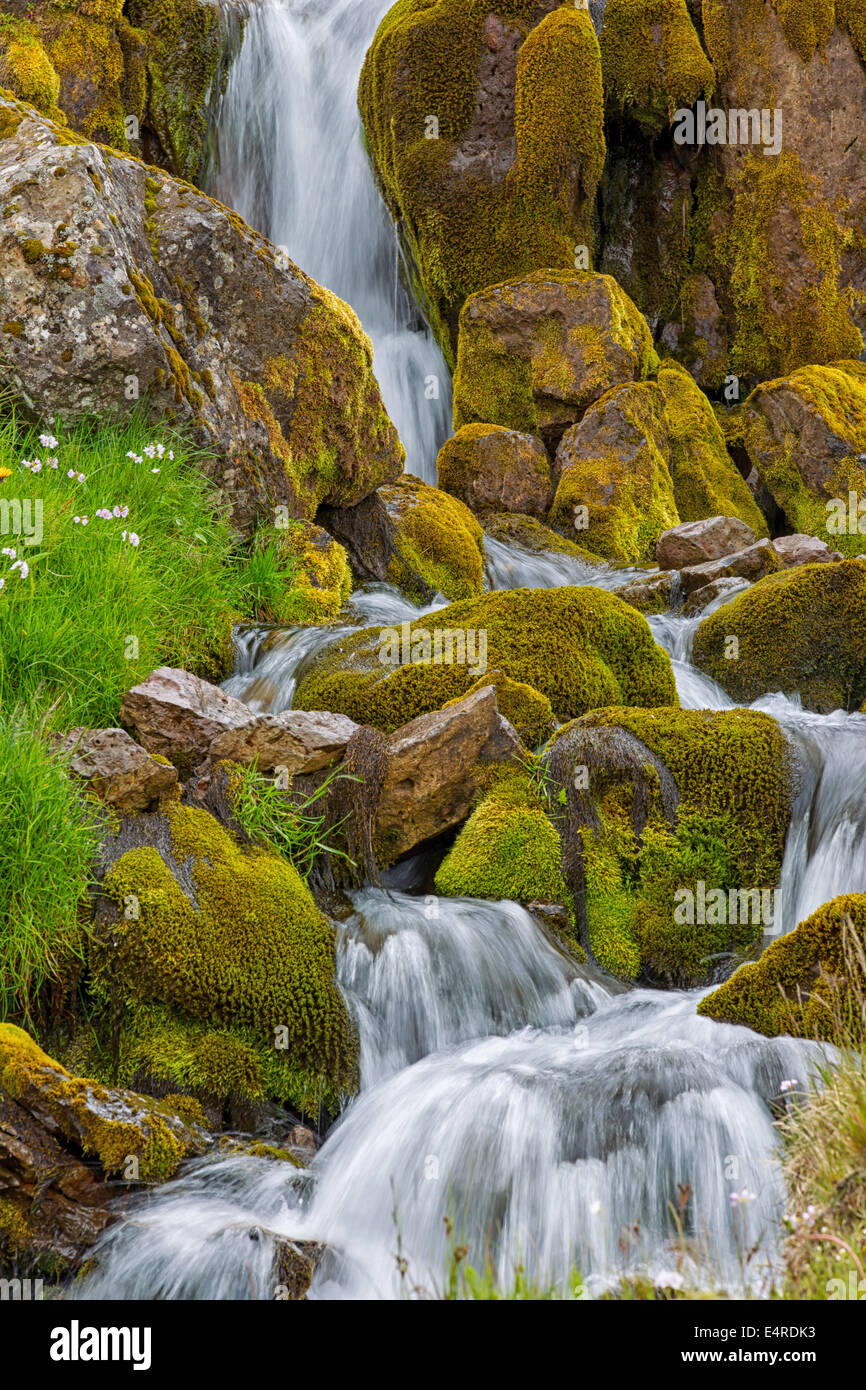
289	157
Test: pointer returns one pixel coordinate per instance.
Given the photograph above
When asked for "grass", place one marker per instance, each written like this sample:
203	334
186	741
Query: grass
90	613
272	815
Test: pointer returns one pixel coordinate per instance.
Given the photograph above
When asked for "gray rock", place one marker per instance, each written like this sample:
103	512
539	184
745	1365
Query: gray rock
116	769
695	542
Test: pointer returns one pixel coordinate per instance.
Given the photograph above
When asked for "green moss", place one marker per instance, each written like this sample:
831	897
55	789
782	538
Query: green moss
436	540
706	481
25	67
508	849
615	465
533	536
806	24
837	395
526	709
467	225
799	985
245	947
311	578
652	61
850	15
582	648
774	624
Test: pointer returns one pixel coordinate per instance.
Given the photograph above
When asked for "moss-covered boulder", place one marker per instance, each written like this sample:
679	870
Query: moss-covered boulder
486	129
802	983
493	469
124	284
582	648
508	849
806	435
529	534
673	829
134	74
652	61
534	353
528	711
706	480
300	576
615	489
801	631
226	943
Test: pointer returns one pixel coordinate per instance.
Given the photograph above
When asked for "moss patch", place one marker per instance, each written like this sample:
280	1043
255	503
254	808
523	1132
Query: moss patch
652	61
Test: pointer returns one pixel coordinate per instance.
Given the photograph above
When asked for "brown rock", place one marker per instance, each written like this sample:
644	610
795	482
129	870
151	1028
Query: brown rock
295	740
116	769
695	542
434	771
179	715
752	563
701	598
804	550
492	469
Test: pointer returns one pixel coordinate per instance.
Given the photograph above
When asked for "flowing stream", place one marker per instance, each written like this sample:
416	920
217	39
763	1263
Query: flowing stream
558	1120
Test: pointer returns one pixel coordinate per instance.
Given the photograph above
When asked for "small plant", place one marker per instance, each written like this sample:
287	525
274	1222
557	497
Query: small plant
296	827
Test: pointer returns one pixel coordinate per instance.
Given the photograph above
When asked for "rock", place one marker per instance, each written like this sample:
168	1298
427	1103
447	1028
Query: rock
536	352
654	802
802	982
116	769
804	550
752	563
435	770
528	711
152	287
657	594
707	482
700	599
298	741
652	61
54	1206
700	339
801	631
486	128
294	1266
695	542
531	535
614	481
412	535
318	579
178	715
492	469
806	435
581	647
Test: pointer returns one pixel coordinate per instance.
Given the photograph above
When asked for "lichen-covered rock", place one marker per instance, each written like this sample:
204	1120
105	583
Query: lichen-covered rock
658	803
765	640
113	767
654	595
121	283
652	61
486	128
801	984
228	939
695	542
581	647
614	480
493	469
508	849
706	480
297	741
806	435
534	353
307	576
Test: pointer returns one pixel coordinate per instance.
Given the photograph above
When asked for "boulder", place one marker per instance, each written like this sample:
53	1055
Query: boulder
529	534
652	61
801	631
178	715
295	740
492	469
753	563
657	594
486	128
121	283
116	769
436	767
535	353
804	550
695	542
806	435
317	576
614	482
700	599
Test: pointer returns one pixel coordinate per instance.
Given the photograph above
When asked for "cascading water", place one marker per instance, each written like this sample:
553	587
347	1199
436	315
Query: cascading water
290	159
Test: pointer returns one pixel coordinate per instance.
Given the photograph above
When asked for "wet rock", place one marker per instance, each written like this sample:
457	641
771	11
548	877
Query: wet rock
492	469
752	564
294	1266
178	715
115	768
654	595
296	740
701	599
119	279
695	542
804	550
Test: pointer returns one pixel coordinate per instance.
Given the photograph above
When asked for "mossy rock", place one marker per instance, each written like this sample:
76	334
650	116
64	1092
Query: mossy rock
535	352
652	61
492	469
706	480
228	936
806	435
437	544
507	850
113	1126
581	647
531	535
801	984
656	802
530	712
615	485
487	134
25	67
801	631
313	579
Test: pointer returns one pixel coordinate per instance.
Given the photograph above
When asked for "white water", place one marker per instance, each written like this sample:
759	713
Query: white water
291	161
